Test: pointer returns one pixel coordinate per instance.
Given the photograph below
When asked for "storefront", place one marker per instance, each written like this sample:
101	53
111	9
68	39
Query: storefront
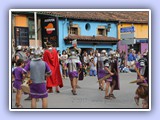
139	37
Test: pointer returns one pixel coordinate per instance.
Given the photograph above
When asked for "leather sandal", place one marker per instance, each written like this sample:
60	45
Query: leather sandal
18	105
107	97
73	92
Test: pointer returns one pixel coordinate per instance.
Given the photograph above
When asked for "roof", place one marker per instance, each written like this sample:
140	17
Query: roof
118	16
91	39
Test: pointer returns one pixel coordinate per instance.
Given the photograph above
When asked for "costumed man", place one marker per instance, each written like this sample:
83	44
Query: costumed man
115	78
20	54
101	72
109	79
78	54
73	63
142	82
38	70
50	56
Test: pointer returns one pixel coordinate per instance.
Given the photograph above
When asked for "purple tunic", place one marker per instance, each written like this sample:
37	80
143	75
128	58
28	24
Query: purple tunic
18	75
101	73
74	74
38	90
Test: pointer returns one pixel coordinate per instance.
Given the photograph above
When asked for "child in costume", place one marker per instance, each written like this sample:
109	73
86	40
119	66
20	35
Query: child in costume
18	79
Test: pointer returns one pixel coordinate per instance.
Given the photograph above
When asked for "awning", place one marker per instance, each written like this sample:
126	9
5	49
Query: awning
91	39
134	41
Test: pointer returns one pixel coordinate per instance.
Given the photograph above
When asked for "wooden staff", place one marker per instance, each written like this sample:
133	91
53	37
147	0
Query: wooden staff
105	77
137	70
138	81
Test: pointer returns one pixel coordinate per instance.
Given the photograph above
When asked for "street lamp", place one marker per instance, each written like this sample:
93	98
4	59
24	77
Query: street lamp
108	27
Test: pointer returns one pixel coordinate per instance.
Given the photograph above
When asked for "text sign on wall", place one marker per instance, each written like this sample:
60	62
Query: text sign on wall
127	29
128	42
127	36
50	30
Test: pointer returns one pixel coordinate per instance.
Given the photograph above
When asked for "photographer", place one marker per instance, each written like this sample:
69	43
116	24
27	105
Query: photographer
92	65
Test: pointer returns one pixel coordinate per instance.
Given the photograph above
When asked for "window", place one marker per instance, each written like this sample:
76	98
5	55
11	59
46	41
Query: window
31	28
101	31
87	26
74	30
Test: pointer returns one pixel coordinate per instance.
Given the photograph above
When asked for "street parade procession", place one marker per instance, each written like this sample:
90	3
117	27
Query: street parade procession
82	70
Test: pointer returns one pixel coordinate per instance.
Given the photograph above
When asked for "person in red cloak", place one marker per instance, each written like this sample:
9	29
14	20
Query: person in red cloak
50	56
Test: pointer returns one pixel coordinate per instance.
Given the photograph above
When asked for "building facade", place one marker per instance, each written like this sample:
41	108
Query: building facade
90	34
140	37
93	30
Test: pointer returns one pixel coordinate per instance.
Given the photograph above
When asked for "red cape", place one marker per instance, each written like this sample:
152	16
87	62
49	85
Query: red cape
51	58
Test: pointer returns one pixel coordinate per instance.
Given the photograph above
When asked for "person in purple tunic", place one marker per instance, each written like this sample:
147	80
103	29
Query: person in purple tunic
73	63
38	70
101	73
18	78
108	80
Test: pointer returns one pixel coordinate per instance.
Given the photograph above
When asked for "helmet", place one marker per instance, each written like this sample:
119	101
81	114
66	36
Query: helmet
74	42
142	62
19	47
103	51
37	55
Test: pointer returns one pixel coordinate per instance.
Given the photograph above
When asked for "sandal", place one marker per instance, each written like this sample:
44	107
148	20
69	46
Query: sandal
112	96
57	91
107	97
73	92
18	105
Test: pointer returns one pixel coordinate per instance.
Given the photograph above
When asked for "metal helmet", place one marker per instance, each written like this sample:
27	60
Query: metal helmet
142	62
19	47
103	51
37	54
74	41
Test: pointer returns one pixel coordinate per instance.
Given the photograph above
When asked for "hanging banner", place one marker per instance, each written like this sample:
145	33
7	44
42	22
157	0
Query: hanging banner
50	30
